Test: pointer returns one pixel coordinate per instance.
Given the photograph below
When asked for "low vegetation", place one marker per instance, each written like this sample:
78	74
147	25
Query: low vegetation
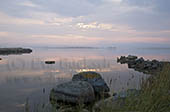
154	96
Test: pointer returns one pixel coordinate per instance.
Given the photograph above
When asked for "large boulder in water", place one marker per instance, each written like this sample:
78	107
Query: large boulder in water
94	79
73	92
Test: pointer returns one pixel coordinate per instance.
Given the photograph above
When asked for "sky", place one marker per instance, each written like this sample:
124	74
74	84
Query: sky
84	23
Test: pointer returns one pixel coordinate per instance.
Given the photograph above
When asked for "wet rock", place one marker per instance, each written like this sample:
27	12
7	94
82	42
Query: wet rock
128	93
8	51
139	64
73	92
49	62
131	57
122	60
140	60
71	109
94	79
0	58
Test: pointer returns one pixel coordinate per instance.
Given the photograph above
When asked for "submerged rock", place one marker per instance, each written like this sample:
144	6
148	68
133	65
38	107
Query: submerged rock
128	93
94	79
73	92
49	62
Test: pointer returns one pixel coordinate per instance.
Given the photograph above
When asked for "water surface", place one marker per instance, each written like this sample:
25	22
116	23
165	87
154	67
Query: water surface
25	77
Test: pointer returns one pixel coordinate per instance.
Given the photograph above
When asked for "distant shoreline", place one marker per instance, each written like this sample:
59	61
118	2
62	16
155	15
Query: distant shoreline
78	47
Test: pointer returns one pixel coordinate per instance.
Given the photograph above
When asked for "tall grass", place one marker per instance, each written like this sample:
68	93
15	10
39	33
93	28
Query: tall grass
154	96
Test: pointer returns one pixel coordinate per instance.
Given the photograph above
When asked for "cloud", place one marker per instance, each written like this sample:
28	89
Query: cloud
28	4
4	34
104	26
5	19
84	21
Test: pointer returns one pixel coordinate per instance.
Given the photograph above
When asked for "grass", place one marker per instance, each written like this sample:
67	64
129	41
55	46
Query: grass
154	96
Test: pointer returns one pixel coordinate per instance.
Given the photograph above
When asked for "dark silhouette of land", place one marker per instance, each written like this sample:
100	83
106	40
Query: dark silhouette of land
9	51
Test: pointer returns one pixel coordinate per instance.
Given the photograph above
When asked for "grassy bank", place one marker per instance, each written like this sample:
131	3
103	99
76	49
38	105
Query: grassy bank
154	96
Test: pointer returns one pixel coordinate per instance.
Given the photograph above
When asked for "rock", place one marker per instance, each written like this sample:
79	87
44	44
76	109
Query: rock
139	64
131	57
73	92
49	62
128	93
122	60
94	79
115	102
0	58
71	109
7	51
140	60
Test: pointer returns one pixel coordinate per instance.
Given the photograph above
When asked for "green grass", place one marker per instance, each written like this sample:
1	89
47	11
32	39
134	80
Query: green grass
154	96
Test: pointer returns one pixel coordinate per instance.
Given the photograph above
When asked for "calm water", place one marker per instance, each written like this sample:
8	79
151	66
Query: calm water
23	77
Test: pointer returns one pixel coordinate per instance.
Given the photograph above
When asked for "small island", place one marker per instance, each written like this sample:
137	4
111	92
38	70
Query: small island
9	51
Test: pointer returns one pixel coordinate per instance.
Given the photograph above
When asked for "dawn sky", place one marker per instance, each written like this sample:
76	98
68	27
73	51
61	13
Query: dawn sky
84	22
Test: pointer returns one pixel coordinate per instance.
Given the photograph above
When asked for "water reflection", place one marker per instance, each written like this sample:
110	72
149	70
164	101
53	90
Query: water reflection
26	76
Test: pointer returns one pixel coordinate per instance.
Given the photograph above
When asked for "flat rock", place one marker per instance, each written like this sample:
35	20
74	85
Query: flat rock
94	79
49	62
73	92
8	51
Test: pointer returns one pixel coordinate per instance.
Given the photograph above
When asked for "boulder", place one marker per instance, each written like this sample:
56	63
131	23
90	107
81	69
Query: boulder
140	60
0	58
73	92
94	79
122	60
8	51
131	57
49	62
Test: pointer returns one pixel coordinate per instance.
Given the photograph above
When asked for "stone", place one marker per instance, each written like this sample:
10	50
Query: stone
122	60
140	60
73	92
94	79
0	58
139	64
49	62
8	51
71	109
127	93
131	57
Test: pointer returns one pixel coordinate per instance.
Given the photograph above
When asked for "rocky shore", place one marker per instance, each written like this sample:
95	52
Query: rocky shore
140	64
85	88
89	89
8	51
